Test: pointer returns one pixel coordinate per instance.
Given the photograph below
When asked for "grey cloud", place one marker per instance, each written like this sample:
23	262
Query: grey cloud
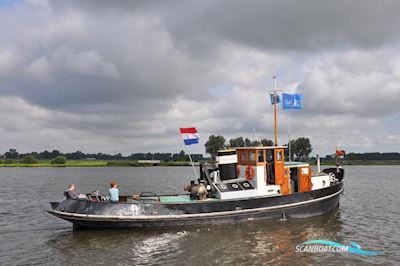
125	52
279	25
81	60
105	76
363	83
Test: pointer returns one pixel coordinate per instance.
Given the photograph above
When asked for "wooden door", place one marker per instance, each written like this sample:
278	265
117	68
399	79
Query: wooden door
305	179
278	160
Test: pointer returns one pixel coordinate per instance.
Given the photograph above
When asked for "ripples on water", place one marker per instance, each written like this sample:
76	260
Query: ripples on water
369	214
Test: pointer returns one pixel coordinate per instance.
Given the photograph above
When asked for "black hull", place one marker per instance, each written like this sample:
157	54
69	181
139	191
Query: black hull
85	214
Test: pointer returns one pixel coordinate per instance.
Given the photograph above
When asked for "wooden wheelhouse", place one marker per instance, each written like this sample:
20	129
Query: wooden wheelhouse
270	169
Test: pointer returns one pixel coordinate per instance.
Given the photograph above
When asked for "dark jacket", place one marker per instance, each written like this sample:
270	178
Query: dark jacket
71	194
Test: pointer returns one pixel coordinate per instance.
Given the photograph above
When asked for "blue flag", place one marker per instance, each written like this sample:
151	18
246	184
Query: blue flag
291	101
278	98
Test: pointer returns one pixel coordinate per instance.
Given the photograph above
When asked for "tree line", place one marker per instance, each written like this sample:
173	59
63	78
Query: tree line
300	148
369	156
12	154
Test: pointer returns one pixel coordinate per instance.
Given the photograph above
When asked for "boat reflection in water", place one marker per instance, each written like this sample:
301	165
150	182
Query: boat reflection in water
283	237
252	243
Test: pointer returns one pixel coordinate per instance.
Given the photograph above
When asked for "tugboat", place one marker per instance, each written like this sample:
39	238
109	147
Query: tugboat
246	184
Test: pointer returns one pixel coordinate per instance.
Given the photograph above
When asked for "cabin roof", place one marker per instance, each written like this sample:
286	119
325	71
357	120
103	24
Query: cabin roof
295	164
261	148
227	150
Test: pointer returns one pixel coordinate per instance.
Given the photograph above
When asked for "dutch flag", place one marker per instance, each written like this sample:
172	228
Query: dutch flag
189	135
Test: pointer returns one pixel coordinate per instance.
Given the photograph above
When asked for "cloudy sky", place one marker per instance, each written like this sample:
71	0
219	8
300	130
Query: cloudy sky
123	76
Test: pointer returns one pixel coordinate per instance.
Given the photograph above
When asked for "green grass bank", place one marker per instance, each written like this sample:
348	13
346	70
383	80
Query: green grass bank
94	163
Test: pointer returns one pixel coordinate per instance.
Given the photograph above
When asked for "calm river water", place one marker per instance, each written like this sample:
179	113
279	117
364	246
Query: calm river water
369	215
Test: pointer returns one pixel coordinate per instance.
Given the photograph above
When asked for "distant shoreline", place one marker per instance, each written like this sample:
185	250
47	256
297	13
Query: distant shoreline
98	163
128	163
362	162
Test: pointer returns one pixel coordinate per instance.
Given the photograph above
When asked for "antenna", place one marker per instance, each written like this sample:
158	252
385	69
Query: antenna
275	121
255	134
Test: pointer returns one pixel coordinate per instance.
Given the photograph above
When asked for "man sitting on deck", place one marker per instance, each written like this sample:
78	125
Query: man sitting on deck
70	193
202	191
191	188
198	192
113	192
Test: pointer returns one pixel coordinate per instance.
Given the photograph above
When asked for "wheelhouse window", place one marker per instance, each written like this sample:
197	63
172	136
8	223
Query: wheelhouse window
252	156
243	157
269	155
261	156
279	156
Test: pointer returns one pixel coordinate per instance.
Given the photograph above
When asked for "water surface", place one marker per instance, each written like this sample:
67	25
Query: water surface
369	214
